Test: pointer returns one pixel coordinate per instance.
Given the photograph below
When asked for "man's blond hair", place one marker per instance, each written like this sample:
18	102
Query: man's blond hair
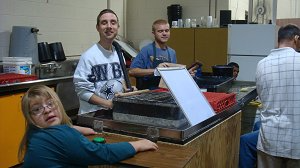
158	22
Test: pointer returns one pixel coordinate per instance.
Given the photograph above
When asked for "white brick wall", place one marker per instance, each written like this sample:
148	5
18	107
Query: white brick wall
71	22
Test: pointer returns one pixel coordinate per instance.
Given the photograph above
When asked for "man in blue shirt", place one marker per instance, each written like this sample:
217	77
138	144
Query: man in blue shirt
156	54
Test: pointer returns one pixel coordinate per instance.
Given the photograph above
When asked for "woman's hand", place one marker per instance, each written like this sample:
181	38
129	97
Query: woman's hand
143	145
85	130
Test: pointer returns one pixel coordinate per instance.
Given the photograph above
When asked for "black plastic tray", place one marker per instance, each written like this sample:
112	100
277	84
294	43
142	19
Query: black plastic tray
214	83
151	104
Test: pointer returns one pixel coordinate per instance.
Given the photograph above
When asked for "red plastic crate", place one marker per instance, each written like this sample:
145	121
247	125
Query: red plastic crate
7	78
220	101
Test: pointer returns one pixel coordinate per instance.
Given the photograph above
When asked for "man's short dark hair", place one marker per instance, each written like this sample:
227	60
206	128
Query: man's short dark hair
233	64
106	11
288	32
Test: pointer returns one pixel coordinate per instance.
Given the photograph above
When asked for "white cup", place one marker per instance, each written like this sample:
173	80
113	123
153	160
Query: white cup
194	23
174	24
202	21
209	21
215	22
180	23
187	23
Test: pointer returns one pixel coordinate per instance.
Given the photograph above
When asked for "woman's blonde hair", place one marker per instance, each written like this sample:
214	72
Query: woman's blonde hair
37	92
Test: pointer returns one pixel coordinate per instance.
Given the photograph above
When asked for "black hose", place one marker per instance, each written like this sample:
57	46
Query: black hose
126	77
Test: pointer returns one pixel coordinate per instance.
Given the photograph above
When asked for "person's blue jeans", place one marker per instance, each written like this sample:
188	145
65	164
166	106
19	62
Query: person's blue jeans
256	126
248	151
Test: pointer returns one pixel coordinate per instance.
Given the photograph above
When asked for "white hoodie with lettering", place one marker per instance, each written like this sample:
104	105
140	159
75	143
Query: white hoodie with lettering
98	72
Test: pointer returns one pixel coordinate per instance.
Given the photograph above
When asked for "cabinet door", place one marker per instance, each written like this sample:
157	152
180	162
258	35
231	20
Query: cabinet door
12	128
211	47
182	41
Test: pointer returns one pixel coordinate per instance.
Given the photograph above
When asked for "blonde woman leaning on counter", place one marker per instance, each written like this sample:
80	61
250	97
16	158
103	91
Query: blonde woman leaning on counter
51	140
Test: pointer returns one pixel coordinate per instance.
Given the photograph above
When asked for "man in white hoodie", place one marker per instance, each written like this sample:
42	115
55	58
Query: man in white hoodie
98	75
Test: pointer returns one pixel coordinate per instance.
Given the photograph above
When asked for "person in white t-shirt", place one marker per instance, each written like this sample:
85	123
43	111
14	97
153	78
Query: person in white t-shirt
98	76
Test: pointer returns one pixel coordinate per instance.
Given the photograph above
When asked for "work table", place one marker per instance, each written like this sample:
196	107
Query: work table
168	155
224	135
217	146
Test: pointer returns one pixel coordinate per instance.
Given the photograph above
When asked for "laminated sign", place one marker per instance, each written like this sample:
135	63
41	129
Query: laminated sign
187	94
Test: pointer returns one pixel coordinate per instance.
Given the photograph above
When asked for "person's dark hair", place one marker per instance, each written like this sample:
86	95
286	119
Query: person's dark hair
106	11
288	32
233	64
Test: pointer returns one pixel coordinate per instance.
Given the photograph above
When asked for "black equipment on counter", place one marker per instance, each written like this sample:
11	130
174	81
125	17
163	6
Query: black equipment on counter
51	52
222	70
225	18
23	42
44	52
174	13
214	83
57	51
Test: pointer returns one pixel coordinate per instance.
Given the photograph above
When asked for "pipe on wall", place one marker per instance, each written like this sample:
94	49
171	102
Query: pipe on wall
250	11
124	25
209	5
108	4
124	18
216	8
274	12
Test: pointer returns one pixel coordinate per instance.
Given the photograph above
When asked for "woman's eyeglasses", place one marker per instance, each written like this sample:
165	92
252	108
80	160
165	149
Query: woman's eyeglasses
41	109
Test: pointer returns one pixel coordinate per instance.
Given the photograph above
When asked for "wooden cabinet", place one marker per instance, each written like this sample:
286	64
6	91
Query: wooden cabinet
207	45
211	47
217	147
12	128
183	42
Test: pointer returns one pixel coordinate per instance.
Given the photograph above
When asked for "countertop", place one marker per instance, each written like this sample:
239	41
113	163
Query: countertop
168	155
15	87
